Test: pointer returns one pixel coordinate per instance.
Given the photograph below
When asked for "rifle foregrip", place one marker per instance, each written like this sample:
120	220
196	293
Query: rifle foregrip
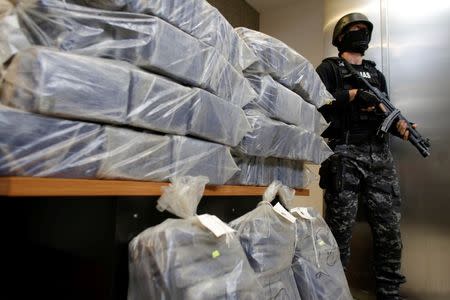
423	145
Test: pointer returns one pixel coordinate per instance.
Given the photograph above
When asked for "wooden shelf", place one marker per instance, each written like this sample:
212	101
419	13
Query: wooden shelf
35	187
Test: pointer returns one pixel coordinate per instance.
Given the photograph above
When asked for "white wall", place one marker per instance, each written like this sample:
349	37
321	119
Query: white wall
300	25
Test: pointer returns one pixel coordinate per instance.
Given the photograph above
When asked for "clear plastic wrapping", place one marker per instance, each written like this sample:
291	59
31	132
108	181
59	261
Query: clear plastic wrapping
286	66
180	259
262	171
12	38
271	138
279	103
196	17
184	259
142	40
317	267
35	145
269	240
73	86
31	145
142	156
183	195
103	4
198	158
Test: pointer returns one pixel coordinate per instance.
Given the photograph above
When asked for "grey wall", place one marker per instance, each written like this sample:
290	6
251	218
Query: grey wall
411	46
298	24
238	13
419	69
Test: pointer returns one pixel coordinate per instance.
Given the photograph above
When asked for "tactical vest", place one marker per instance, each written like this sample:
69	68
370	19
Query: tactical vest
365	123
345	79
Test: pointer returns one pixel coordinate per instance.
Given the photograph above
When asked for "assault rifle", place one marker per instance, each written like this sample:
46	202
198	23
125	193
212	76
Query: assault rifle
392	115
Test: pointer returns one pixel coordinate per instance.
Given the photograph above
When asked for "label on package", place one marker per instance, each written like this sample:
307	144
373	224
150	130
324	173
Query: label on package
302	212
278	208
215	225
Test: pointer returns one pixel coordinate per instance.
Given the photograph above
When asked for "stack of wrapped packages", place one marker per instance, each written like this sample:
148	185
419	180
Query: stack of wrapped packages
162	90
268	236
316	263
132	70
285	118
108	94
294	253
267	253
317	267
195	257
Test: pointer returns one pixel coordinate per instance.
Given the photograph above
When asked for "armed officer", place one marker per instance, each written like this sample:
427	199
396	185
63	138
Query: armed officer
362	167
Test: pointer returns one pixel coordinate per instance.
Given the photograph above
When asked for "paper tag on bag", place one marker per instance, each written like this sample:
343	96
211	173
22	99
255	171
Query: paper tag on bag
302	212
278	208
215	225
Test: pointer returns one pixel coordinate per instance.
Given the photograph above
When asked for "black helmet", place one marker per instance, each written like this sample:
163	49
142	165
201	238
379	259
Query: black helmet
347	20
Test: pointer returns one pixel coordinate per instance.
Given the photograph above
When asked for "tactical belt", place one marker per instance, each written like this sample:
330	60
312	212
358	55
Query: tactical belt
358	139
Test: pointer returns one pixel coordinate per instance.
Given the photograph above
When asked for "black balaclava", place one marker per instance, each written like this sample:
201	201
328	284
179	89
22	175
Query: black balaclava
355	41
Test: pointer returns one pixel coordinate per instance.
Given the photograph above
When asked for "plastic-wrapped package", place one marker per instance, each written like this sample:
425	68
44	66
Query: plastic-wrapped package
103	4
12	38
52	82
135	155
88	88
196	17
197	257
271	138
35	145
268	239
262	171
143	156
162	105
279	103
286	66
142	40
317	267
196	157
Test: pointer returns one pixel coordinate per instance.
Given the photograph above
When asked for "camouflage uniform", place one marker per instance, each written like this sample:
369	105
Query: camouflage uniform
367	170
361	168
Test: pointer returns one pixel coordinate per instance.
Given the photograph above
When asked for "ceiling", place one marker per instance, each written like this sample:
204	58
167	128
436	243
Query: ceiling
263	5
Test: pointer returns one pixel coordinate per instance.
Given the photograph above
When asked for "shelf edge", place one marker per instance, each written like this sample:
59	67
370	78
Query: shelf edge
38	187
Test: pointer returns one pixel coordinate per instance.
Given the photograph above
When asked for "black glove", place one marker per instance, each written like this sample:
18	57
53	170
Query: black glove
366	99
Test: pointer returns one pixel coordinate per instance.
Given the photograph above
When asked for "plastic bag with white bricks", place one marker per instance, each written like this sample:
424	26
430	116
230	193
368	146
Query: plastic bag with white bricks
196	257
